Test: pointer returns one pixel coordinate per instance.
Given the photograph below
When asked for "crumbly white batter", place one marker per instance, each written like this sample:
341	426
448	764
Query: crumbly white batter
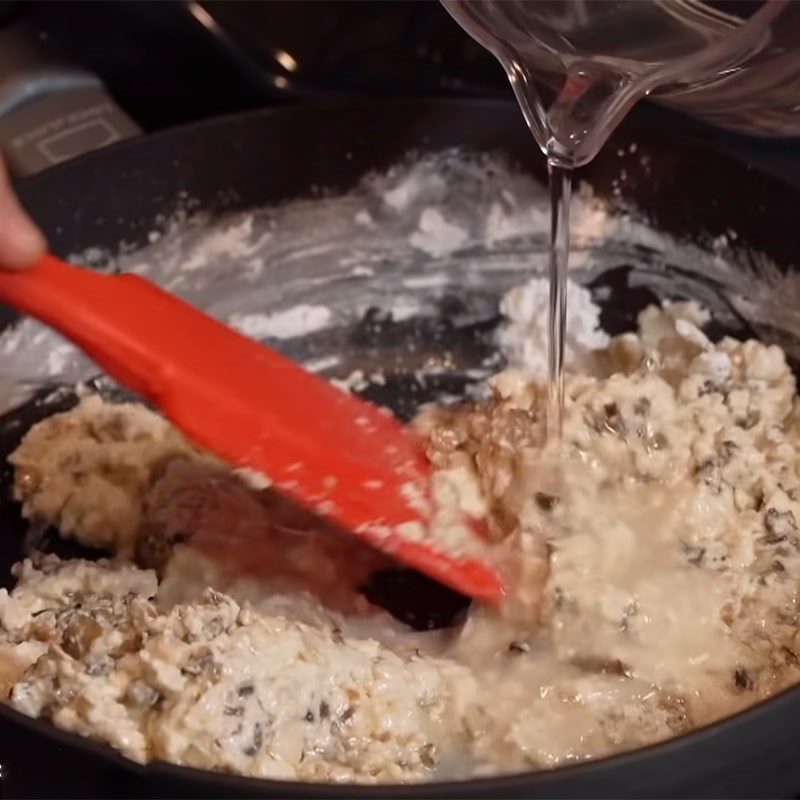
89	470
653	563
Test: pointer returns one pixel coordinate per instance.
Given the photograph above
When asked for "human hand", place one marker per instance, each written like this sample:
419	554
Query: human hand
21	242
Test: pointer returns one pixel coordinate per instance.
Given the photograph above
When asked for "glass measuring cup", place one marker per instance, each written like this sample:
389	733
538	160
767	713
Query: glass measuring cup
577	66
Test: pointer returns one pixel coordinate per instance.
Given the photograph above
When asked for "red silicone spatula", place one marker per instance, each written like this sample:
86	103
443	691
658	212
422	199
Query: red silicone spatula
330	451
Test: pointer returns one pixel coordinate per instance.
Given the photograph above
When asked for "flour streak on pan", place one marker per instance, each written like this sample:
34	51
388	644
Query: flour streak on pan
441	236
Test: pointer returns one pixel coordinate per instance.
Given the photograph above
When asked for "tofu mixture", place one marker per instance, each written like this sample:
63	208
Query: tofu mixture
652	561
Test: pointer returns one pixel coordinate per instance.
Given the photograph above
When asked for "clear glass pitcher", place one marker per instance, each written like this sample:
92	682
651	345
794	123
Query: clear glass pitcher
577	66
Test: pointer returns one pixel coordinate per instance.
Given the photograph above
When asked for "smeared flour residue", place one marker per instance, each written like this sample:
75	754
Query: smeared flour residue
297	321
444	226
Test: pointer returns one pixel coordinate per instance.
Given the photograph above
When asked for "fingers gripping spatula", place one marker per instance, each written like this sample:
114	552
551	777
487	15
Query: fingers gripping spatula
343	457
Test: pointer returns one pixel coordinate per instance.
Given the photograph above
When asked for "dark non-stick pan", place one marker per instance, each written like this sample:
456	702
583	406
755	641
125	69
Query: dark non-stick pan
241	162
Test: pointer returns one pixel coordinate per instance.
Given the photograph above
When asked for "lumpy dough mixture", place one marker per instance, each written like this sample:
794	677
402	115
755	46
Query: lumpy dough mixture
653	567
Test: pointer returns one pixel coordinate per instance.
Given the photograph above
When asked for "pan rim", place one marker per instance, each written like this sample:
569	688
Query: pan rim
500	784
503	782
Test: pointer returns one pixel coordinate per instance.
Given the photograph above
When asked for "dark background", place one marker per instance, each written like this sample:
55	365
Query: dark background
173	62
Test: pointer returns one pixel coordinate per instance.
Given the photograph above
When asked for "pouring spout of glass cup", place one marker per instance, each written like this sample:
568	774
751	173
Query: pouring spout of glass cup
582	115
594	61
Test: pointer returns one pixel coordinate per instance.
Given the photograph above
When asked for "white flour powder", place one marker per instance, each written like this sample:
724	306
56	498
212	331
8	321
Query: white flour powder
297	321
440	225
524	338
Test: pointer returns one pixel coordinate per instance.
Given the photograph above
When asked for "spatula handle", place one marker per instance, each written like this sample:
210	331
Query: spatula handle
225	391
90	308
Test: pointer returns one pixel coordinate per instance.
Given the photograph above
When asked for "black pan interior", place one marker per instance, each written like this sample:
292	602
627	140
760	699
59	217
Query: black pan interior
263	158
